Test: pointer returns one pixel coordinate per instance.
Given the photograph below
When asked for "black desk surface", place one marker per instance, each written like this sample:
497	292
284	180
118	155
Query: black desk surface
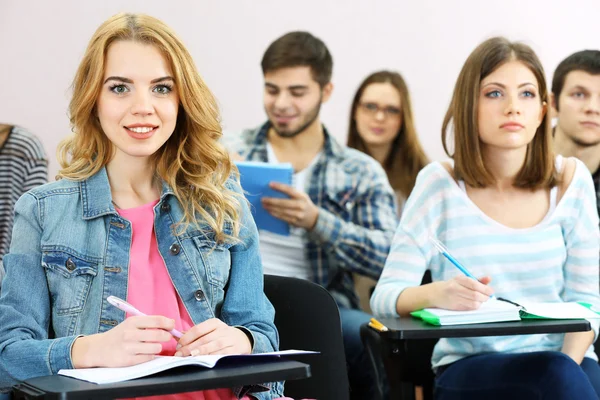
177	380
412	328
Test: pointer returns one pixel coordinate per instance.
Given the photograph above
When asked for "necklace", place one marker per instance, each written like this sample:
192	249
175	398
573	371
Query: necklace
116	205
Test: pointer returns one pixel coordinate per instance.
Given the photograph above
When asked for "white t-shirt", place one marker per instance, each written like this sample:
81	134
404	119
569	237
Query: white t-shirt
286	255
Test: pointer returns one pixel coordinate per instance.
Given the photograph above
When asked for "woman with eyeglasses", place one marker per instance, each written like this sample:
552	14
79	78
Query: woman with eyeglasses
381	125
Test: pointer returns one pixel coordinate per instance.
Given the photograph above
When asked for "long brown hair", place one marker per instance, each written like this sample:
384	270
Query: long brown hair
406	157
538	169
192	161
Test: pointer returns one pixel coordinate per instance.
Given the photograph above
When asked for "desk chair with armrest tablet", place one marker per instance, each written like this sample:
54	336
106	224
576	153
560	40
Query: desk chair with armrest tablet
307	318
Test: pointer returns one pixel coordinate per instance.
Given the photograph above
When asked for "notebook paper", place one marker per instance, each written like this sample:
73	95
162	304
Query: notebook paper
556	311
255	178
491	311
160	363
495	310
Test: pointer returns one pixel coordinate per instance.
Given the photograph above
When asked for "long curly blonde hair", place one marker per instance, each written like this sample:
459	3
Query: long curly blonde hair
192	161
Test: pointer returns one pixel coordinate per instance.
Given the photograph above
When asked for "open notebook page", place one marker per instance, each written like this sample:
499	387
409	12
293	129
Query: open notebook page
557	311
160	363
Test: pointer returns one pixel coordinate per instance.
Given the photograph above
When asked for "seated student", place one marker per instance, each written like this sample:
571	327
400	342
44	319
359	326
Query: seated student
381	125
576	104
341	207
509	211
23	166
146	210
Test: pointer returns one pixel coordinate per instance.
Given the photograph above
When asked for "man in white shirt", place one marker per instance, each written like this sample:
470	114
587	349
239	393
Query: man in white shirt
341	208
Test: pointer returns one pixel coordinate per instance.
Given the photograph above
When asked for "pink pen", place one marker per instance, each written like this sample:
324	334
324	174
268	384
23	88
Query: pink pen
125	306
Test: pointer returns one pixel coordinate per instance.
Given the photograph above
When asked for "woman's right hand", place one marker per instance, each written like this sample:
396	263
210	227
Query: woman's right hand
461	293
133	341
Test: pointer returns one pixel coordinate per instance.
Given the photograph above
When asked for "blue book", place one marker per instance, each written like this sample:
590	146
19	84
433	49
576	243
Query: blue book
255	178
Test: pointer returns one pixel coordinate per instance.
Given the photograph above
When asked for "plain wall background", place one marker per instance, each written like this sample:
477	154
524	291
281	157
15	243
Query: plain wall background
427	41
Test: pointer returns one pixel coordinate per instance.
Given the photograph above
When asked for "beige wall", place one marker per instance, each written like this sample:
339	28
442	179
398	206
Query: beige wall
41	43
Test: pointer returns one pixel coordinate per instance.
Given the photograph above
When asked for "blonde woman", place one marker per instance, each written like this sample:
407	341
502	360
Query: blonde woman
146	210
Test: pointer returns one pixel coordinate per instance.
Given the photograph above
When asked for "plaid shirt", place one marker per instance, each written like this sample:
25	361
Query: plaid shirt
357	213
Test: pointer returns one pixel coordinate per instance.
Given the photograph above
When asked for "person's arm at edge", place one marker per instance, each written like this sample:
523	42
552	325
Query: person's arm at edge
583	236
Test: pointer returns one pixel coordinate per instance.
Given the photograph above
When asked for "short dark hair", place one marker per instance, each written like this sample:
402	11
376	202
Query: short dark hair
297	49
585	60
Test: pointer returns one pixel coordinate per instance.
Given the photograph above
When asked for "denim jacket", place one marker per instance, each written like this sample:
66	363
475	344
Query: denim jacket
70	251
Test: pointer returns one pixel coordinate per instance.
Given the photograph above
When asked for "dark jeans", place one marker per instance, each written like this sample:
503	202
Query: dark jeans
360	372
538	375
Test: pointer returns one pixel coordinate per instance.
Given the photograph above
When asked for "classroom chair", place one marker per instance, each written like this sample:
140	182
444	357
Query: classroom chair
308	318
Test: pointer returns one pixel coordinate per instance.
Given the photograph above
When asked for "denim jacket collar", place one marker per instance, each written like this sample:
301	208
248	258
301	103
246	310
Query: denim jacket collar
96	196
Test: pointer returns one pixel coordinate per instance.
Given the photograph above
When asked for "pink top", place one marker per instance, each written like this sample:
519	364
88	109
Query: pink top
148	275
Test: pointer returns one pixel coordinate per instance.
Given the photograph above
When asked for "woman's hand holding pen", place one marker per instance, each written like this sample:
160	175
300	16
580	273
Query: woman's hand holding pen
213	336
133	341
461	293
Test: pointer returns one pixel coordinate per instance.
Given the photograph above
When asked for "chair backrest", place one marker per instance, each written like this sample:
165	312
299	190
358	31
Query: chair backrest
308	318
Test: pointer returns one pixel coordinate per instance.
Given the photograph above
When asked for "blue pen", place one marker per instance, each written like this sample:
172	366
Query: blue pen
442	249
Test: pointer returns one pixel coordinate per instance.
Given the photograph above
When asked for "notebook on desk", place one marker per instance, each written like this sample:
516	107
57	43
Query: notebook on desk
162	363
255	178
500	310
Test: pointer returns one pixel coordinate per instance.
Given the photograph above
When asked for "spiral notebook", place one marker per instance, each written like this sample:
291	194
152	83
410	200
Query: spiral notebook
502	310
255	178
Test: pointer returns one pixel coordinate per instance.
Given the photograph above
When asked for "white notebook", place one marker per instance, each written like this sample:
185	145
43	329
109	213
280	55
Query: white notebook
495	310
159	364
491	311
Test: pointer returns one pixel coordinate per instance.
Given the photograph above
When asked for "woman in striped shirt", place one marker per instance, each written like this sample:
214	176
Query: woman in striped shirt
512	212
23	166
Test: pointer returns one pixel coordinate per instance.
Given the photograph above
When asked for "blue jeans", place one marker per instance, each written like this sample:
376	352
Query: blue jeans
360	372
538	375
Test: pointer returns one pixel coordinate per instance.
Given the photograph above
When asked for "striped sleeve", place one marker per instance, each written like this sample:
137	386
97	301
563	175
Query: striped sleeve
410	252
24	166
36	163
582	241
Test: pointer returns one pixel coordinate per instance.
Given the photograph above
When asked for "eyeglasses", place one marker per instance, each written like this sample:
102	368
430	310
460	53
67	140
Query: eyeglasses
373	109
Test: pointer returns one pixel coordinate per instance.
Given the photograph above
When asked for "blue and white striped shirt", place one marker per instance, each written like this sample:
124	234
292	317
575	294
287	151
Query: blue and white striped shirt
553	261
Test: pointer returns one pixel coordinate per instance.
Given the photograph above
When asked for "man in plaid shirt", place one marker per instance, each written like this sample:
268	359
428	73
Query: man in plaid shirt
341	208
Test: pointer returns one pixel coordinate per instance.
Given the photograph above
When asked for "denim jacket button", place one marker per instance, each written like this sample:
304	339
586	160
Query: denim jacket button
175	249
165	207
70	264
199	295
